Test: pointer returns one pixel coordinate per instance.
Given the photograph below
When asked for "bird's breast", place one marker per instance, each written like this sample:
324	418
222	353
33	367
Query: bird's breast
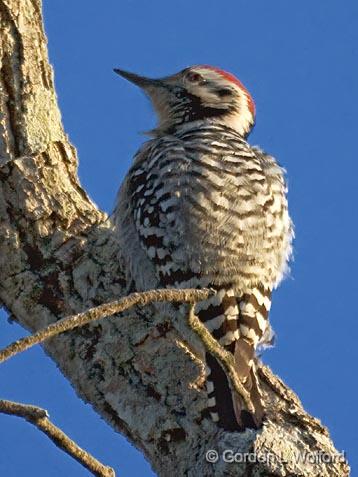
216	214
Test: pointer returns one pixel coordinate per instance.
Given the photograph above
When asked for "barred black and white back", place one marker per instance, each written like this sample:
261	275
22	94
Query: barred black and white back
201	208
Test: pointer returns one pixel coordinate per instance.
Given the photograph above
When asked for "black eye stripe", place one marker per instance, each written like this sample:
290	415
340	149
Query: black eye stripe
224	92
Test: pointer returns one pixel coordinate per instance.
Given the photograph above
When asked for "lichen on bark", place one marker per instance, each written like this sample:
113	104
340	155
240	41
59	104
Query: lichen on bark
58	256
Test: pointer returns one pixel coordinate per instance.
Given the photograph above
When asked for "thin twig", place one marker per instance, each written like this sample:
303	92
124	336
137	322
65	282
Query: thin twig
39	418
108	309
225	358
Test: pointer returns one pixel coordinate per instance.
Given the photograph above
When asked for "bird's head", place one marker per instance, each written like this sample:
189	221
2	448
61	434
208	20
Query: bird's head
197	93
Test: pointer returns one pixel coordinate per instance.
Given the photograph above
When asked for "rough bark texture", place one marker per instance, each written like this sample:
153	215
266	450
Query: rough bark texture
58	257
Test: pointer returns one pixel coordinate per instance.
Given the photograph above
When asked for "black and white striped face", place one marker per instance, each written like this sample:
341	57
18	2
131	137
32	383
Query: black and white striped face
199	92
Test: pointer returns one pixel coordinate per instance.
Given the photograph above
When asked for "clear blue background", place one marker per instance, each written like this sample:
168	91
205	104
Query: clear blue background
299	60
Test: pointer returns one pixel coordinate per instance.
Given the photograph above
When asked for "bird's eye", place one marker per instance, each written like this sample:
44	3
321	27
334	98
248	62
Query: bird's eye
194	77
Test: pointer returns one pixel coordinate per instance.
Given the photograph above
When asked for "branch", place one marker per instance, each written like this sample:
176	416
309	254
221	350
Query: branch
59	256
102	311
105	310
225	358
39	418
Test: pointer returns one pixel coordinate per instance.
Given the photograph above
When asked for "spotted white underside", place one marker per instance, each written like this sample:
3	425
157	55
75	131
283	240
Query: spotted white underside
199	208
217	205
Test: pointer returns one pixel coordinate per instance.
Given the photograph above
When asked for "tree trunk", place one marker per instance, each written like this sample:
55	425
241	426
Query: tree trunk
58	256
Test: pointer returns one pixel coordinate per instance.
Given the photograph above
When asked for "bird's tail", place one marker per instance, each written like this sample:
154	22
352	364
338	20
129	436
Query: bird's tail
239	324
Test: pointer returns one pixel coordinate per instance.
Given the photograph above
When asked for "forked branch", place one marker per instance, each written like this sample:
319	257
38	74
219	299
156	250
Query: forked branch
102	311
39	418
139	298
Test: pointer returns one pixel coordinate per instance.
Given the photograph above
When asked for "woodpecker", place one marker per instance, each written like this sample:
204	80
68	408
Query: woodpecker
199	208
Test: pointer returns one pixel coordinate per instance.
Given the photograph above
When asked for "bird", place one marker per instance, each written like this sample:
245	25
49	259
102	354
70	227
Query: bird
202	208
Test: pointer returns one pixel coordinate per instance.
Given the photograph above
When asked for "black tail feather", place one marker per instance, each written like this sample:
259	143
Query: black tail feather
239	325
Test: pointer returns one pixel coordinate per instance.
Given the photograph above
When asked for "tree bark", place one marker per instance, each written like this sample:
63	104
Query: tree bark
58	257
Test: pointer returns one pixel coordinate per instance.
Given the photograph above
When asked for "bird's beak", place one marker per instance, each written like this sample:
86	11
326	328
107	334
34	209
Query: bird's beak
140	81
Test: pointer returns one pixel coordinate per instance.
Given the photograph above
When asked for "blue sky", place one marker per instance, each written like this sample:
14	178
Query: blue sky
299	61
